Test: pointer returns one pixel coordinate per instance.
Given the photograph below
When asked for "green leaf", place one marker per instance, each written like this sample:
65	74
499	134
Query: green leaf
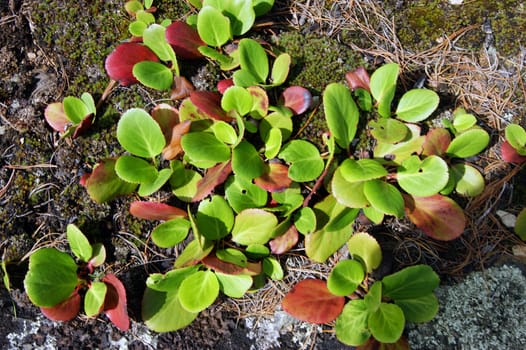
78	243
400	151
75	109
94	299
51	278
410	282
154	75
140	134
520	225
184	181
253	58
468	144
193	253
387	323
463	121
516	136
273	143
89	102
365	248
243	194
136	28
170	233
237	98
5	277
199	291
306	162
388	130
345	277
253	226
99	255
416	105
246	162
373	298
155	38
352	326
383	87
305	220
280	69
278	121
214	218
257	251
244	78
224	132
362	170
213	27
262	6
233	256
235	286
423	178
204	146
348	193
272	268
384	197
103	184
341	113
135	170
241	13
469	181
420	309
148	188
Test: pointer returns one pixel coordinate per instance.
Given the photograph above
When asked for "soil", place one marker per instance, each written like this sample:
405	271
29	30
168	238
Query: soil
40	193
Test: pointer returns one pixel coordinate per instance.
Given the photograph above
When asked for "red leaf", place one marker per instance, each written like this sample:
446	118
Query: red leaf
155	211
285	242
510	155
115	302
438	216
297	98
84	125
56	117
120	62
209	103
224	84
310	301
276	178
167	117
181	88
173	148
66	310
214	176
358	78
184	39
436	142
213	262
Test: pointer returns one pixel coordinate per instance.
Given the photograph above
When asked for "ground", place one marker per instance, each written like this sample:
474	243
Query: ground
51	49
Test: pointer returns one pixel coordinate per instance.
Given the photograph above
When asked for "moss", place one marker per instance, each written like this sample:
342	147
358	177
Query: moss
421	23
317	62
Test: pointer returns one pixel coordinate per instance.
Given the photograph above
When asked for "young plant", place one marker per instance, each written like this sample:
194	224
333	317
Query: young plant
71	116
55	282
513	149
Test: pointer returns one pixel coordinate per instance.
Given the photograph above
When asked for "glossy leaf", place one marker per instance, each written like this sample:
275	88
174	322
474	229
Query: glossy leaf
154	75
347	193
305	220
99	255
384	197
237	98
438	216
462	120
272	268
214	218
209	103
241	14
423	178
246	162
468	144
75	109
419	309
56	117
275	178
170	233
192	254
235	286
78	243
469	181
214	176
387	323
400	151
373	298
510	154
383	87
51	278
156	211
120	62
388	130
305	161
253	59
135	170
410	282
225	132
253	226
260	101
103	184
345	277
365	247
213	262
416	105
297	98
436	143
516	137
115	306
358	78
152	186
204	146
65	310
352	325
362	170
280	70
284	242
198	291
243	194
184	40
139	134
233	256
213	27
311	301
94	299
341	113
155	38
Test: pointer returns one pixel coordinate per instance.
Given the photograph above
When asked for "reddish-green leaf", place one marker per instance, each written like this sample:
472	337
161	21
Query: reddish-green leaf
358	78
214	176
436	142
65	311
213	262
56	117
209	103
275	178
155	211
510	154
174	148
103	184
297	98
311	301
167	117
285	242
184	40
438	216
119	64
115	302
